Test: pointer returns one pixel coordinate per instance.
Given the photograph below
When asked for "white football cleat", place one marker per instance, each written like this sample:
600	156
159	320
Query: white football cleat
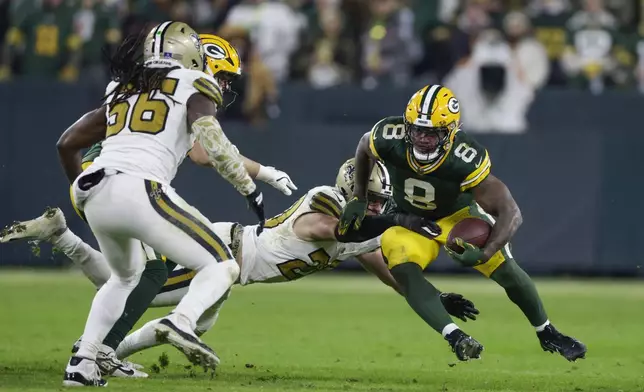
51	222
171	330
110	365
83	372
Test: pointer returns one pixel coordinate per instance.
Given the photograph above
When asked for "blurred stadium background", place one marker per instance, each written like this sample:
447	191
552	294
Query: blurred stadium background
549	86
553	88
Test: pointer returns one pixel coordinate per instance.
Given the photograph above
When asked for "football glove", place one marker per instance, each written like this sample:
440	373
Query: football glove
471	256
256	204
352	215
277	179
458	306
417	224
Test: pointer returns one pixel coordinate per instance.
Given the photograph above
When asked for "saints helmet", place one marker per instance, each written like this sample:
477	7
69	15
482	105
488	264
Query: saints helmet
172	44
432	117
222	59
379	188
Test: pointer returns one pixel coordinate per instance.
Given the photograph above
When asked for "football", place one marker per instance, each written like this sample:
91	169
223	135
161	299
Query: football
472	230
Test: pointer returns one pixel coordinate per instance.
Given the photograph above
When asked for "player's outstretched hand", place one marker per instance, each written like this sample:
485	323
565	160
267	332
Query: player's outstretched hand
471	255
459	306
417	224
256	203
277	179
352	215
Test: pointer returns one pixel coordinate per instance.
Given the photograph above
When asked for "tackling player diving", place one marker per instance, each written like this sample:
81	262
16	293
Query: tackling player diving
298	242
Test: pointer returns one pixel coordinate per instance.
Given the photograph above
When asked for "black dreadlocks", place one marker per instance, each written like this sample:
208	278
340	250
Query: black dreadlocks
126	68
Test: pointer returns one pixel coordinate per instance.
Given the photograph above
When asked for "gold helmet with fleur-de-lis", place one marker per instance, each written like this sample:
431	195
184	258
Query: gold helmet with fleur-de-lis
173	43
379	186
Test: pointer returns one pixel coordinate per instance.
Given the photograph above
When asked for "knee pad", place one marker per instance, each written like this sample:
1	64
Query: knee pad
400	245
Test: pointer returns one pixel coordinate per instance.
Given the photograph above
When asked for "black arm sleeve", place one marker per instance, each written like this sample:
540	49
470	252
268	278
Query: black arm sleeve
372	226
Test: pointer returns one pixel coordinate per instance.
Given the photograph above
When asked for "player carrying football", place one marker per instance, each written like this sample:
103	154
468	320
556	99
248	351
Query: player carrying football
441	173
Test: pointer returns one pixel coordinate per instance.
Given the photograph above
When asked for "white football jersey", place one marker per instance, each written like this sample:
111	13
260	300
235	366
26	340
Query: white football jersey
277	254
148	135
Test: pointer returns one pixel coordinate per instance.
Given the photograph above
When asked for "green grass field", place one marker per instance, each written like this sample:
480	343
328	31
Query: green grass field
342	333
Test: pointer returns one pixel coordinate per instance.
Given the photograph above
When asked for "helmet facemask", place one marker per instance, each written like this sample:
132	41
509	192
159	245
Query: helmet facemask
223	63
376	203
427	143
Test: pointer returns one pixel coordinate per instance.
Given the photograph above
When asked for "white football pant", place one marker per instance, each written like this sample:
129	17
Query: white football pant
123	211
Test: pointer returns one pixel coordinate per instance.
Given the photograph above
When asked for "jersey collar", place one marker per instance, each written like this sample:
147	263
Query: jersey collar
430	167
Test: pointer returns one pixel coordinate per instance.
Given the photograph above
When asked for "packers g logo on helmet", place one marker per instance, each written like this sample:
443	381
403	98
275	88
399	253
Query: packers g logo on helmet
222	58
452	105
214	51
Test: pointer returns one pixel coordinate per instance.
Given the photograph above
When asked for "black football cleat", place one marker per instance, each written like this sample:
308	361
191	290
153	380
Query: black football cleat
555	342
464	346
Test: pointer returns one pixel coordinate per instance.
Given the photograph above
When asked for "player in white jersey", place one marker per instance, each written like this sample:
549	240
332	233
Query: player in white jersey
223	64
296	243
154	111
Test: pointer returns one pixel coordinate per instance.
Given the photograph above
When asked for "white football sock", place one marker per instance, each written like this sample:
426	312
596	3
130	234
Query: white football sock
206	288
90	261
210	316
142	338
449	328
542	326
107	308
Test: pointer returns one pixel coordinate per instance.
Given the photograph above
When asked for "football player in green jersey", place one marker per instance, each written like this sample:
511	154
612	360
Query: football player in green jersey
439	172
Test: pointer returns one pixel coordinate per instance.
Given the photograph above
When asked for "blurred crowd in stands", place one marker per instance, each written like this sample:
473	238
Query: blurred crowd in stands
514	46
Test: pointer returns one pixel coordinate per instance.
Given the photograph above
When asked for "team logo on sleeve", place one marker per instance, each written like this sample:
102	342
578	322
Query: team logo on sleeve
453	106
214	51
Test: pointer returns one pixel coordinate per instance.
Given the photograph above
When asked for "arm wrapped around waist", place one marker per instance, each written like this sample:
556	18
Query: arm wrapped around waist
373	226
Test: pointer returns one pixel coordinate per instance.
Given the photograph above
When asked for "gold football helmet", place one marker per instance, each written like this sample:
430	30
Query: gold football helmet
173	43
379	189
432	117
222	59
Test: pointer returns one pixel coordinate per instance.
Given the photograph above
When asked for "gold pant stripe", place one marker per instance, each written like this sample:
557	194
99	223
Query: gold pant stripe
186	222
178	282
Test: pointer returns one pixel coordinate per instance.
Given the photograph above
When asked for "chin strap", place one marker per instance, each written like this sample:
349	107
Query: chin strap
234	93
417	155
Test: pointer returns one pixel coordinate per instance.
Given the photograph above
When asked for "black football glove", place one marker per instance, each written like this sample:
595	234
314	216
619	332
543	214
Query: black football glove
417	224
256	203
458	306
352	215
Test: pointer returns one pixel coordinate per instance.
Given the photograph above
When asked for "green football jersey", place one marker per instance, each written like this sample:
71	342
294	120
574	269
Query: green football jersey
49	37
433	190
92	153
